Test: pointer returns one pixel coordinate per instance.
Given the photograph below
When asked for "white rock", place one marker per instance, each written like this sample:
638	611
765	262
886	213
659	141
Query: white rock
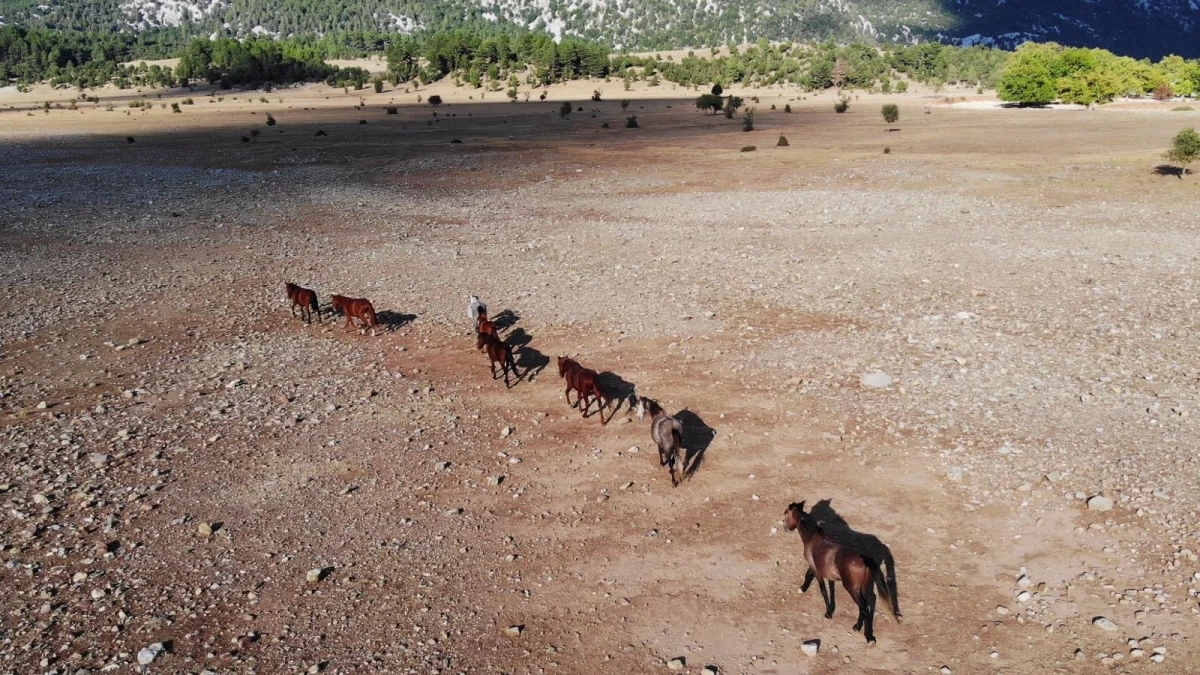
316	574
506	432
635	449
514	631
454	512
675	664
147	655
810	647
1104	623
876	380
1099	503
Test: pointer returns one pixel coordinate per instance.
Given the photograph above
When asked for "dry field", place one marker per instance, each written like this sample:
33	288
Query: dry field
179	453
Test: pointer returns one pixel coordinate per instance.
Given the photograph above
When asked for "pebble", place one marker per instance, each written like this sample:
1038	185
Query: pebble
495	480
147	655
876	380
810	647
1099	503
454	512
676	664
506	432
634	450
98	459
514	631
204	530
945	670
317	574
711	670
1104	623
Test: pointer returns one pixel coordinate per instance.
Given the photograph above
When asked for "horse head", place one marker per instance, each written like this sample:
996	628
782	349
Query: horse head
562	366
793	515
647	406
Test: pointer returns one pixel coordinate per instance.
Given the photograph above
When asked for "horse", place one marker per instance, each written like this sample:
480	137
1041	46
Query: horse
355	308
305	299
829	561
484	326
498	352
475	308
667	433
586	383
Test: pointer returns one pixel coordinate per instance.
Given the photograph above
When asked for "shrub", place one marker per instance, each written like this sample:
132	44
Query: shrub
772	106
787	108
1163	92
841	105
710	102
891	113
1185	148
186	101
596	95
1182	108
631	122
717	90
270	120
624	103
362	121
748	120
902	86
887	150
378	86
174	107
542	97
320	132
434	100
512	95
1027	78
129	139
783	141
391	110
604	126
254	132
564	110
263	99
245	139
732	103
456	141
749	148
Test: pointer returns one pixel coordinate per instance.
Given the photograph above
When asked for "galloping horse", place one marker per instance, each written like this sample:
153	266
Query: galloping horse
829	561
500	352
305	299
667	433
586	383
355	308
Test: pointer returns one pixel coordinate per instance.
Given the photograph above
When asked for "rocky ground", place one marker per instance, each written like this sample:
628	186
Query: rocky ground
978	348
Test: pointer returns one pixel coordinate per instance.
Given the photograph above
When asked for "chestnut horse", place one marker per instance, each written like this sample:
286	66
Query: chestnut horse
305	299
483	326
667	433
500	352
355	308
829	561
586	383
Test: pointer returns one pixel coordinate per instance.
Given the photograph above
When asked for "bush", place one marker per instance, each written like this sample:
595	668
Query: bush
710	102
435	100
512	95
749	148
887	150
1027	79
596	95
378	86
270	120
186	101
891	113
129	139
245	139
902	86
174	107
772	106
783	141
263	99
604	126
787	108
391	110
717	90
320	132
1182	108
748	120
564	110
1163	92
624	103
631	122
362	121
841	105
732	103
1185	148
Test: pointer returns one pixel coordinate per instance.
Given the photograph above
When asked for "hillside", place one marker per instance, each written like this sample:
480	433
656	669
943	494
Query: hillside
1136	27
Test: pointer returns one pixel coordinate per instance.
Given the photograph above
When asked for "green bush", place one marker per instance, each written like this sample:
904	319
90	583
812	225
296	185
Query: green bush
710	102
1182	108
887	150
434	100
378	86
783	141
564	110
749	148
174	107
596	93
787	108
624	103
891	113
748	120
841	105
1185	148
270	120
902	86
1027	79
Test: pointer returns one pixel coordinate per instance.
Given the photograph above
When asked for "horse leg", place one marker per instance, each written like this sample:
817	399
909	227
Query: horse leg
830	602
568	395
293	309
868	610
808	579
825	597
674	455
585	397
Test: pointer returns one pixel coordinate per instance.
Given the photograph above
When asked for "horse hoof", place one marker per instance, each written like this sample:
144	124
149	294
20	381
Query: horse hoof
871	641
828	615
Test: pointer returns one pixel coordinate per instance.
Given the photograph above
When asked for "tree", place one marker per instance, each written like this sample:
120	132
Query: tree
564	110
748	120
1027	79
891	113
710	102
435	100
717	89
1185	148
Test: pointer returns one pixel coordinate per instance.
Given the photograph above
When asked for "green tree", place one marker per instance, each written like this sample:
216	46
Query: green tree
891	113
1027	79
1185	148
710	102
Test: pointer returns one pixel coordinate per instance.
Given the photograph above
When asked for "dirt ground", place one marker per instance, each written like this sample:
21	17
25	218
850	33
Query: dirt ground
181	456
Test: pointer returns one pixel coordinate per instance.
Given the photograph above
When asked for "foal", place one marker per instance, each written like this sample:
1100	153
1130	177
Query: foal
500	352
355	308
829	561
667	433
305	299
586	383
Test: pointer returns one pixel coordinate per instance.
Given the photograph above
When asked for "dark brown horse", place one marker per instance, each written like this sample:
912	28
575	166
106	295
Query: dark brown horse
500	352
586	384
484	327
355	308
305	299
667	433
829	561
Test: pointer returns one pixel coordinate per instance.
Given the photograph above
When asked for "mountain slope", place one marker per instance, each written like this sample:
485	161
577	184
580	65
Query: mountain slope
1134	27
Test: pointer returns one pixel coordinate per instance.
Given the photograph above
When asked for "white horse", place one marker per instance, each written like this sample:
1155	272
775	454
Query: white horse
475	308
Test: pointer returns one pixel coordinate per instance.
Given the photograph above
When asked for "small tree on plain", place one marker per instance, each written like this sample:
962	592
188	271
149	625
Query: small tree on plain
564	110
1185	148
631	122
596	93
378	86
624	103
717	89
748	120
435	100
709	102
891	113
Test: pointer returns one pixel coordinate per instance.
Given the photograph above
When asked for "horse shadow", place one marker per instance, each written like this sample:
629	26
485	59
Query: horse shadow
1168	170
506	319
697	436
394	320
619	389
530	361
837	529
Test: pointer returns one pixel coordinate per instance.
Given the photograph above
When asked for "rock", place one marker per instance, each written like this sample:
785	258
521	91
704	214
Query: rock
514	631
711	670
876	380
1079	655
147	655
677	664
945	670
495	480
1099	503
955	474
635	450
317	574
454	512
506	432
1024	581
1024	596
1002	610
98	459
811	647
42	405
1053	477
204	530
1104	623
441	466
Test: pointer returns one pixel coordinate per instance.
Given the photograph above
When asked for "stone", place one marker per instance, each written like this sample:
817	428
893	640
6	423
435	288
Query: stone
955	474
506	432
1099	503
711	670
811	647
1104	623
945	670
495	480
514	631
876	380
98	459
317	574
42	405
147	655
635	450
454	512
676	664
204	530
441	466
1002	610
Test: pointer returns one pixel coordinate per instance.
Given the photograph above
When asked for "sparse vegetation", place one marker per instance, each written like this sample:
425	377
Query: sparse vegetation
841	105
391	110
174	108
887	150
783	141
749	148
1182	108
891	113
270	120
787	108
712	103
378	86
624	103
596	93
748	120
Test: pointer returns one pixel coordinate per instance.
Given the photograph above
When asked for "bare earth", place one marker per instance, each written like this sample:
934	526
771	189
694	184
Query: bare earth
1022	276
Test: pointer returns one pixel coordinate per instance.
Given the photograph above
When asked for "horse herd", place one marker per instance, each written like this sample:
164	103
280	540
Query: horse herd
828	560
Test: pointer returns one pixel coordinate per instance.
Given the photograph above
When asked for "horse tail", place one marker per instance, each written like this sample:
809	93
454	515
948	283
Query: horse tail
886	587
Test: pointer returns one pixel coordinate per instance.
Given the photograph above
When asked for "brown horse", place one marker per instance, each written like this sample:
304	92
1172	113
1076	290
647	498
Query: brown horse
484	327
500	352
667	433
829	561
305	299
355	308
586	383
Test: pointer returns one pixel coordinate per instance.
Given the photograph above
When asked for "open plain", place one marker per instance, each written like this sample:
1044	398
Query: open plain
185	464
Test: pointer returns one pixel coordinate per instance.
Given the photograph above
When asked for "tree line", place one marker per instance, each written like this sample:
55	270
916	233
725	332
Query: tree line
1037	74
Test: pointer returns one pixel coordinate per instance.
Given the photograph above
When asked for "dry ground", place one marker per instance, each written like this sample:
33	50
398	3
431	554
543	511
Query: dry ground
1023	276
